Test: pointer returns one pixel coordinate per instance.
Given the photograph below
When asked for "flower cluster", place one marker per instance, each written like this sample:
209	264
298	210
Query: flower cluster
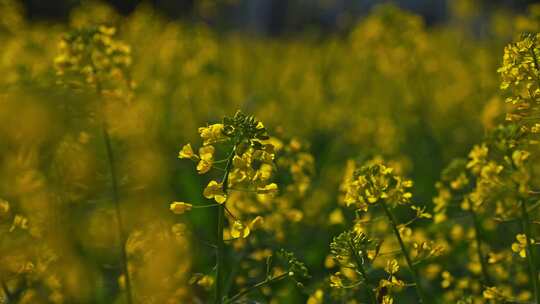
372	184
93	56
520	74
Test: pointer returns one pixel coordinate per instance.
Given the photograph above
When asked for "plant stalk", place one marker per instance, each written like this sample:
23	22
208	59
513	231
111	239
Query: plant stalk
220	260
120	227
479	252
419	291
531	252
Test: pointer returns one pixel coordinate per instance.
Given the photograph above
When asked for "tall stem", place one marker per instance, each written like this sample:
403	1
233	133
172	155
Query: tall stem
116	200
412	268
479	252
363	272
531	252
220	256
220	260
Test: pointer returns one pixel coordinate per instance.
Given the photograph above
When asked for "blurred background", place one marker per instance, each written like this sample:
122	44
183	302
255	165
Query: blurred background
275	17
414	82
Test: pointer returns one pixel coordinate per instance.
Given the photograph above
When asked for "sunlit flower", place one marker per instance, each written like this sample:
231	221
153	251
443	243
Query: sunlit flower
180	207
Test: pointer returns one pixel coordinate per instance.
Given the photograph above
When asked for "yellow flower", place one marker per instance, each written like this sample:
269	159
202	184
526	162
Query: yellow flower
492	293
387	299
256	222
268	189
187	152
214	190
239	230
519	157
392	266
4	207
335	280
477	158
447	279
19	222
316	298
212	133
180	207
336	217
521	245
207	159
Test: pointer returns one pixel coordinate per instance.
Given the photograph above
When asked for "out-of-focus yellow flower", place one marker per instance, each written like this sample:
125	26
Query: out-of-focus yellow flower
214	190
387	299
268	189
19	222
336	217
4	207
335	280
256	222
180	207
392	266
239	230
447	279
520	246
316	298
519	157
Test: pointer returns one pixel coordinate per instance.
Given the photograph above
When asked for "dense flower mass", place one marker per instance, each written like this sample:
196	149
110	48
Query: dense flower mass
374	183
389	168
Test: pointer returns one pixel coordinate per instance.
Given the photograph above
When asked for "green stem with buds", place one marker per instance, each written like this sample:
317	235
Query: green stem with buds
363	272
412	267
531	252
220	261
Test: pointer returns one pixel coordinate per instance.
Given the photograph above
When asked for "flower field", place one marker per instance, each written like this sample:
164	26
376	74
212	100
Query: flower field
146	160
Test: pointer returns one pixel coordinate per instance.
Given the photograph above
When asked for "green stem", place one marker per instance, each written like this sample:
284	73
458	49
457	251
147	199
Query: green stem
531	254
114	180
220	261
220	256
257	286
479	252
412	268
360	265
120	227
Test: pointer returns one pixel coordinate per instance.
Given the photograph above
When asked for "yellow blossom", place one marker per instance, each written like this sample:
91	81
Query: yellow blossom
239	230
187	152
335	280
256	222
521	245
180	207
4	207
392	266
212	133
207	159
268	189
214	190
